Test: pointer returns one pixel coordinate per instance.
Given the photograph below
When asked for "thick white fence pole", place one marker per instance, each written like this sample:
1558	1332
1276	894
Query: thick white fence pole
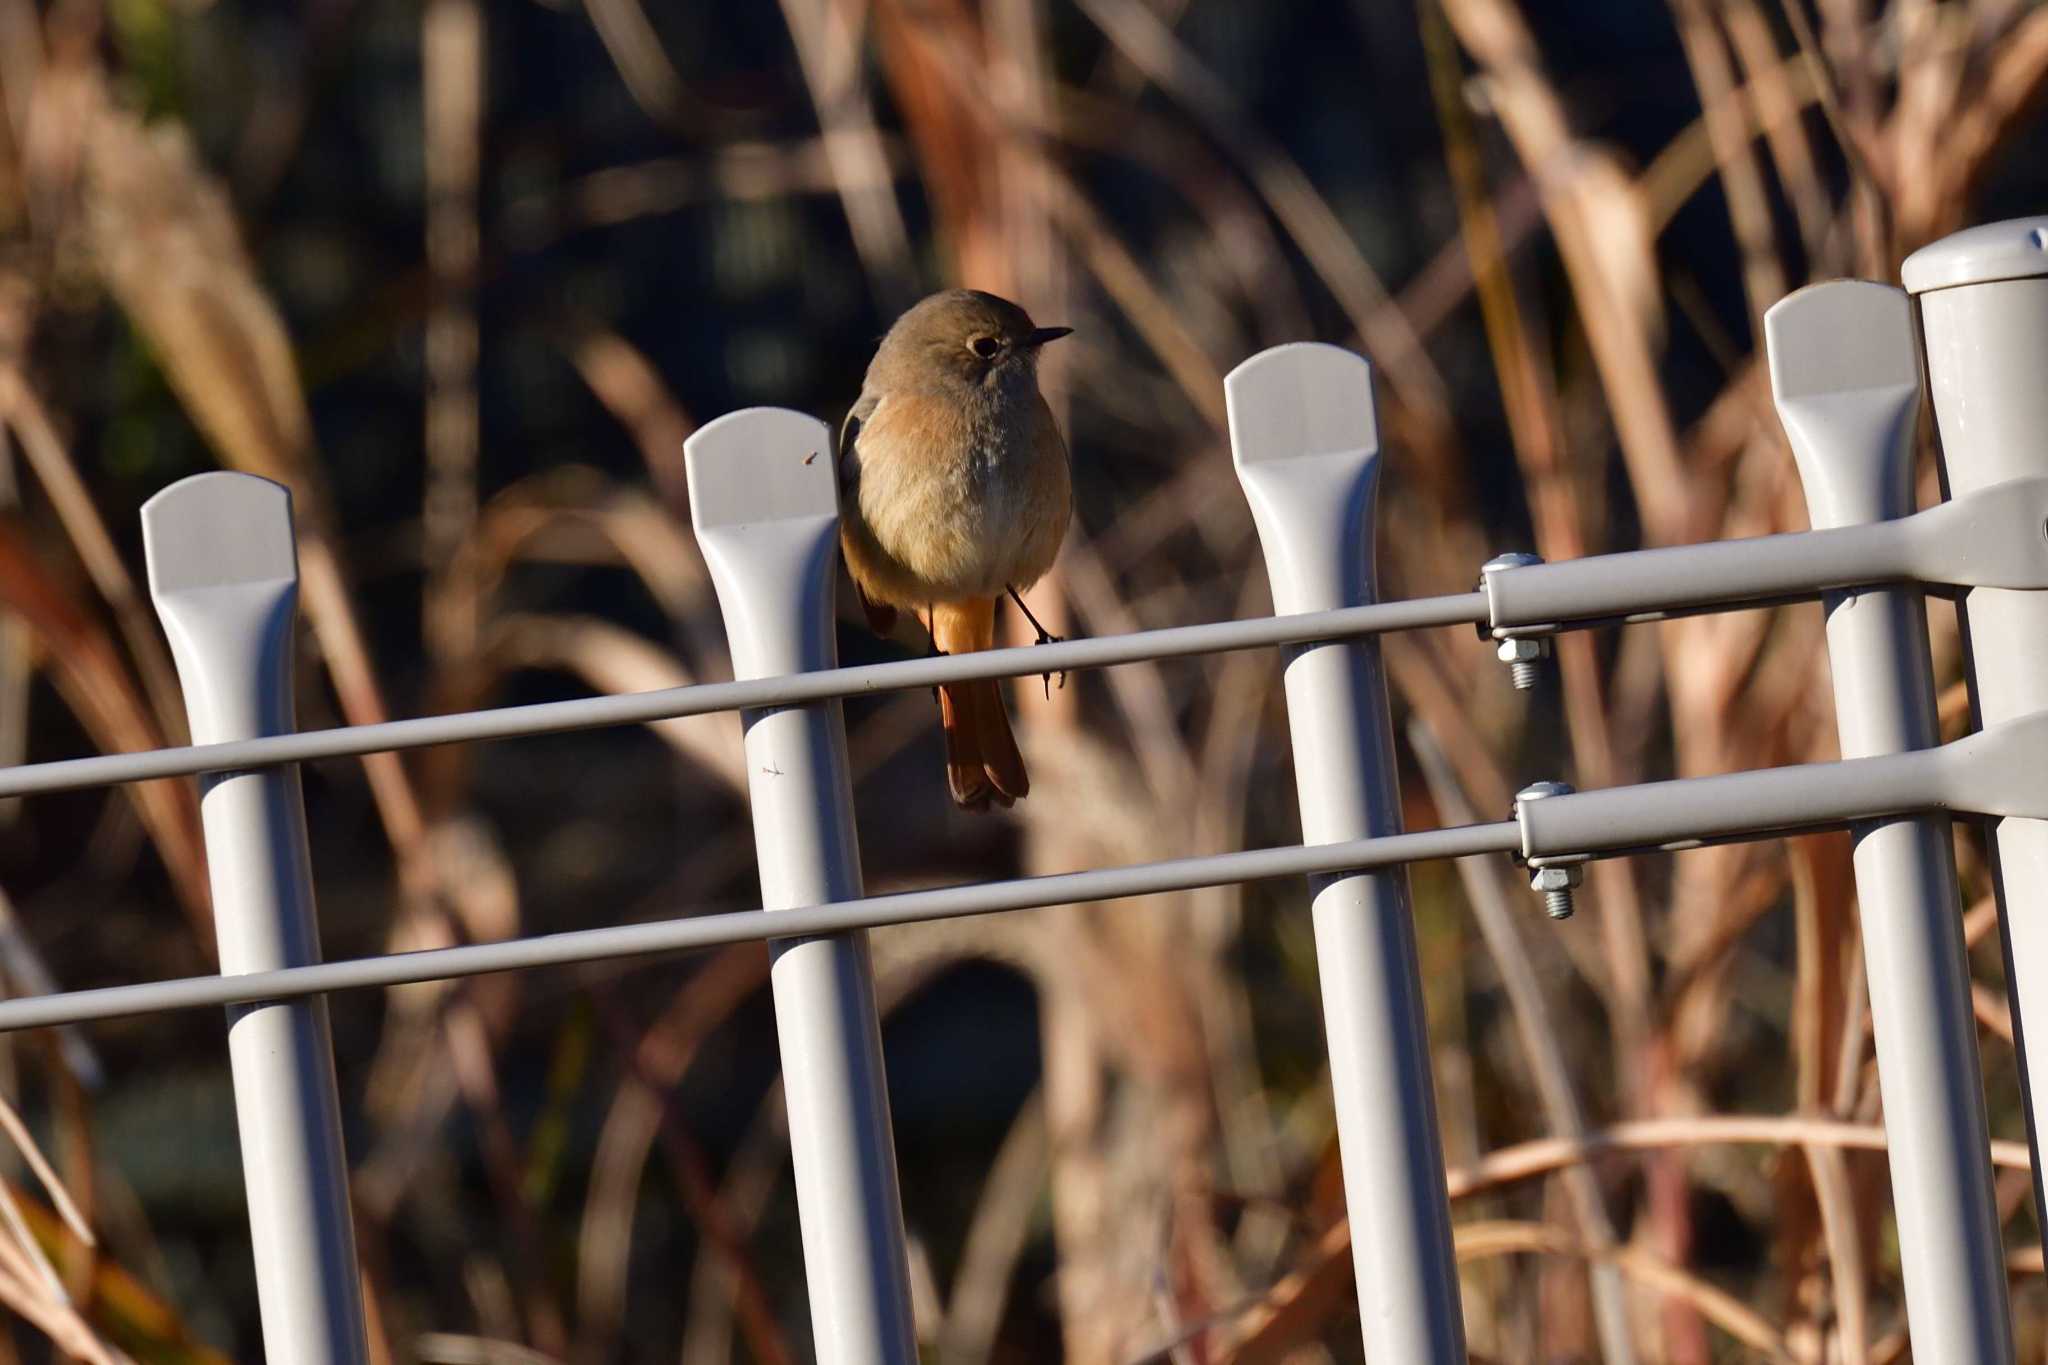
1845	371
765	501
1306	444
223	572
1983	297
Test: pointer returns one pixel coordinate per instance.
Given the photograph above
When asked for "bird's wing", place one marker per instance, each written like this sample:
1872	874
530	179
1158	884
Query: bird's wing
881	616
849	432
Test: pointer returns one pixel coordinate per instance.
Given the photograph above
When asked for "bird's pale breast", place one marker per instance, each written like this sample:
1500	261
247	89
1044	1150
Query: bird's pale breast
955	497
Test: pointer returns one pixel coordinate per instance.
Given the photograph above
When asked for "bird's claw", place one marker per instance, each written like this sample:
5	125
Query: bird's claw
1046	638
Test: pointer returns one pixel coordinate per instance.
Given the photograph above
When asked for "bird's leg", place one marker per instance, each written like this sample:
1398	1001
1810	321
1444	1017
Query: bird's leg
931	640
1045	637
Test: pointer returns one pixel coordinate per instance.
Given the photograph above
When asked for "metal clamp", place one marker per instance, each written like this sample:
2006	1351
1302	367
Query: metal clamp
1523	654
1556	882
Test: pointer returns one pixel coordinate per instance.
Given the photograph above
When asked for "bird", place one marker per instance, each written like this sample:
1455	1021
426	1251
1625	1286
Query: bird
956	490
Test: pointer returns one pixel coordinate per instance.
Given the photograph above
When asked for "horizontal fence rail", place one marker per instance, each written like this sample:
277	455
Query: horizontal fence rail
699	699
745	926
1536	599
1557	597
1992	773
1991	539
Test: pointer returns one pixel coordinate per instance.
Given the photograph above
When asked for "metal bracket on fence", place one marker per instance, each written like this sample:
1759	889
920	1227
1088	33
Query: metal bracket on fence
1845	372
1306	445
1996	773
1995	538
764	499
223	572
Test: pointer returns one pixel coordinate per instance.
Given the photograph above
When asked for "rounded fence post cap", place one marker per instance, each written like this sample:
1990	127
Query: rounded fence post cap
218	529
2011	250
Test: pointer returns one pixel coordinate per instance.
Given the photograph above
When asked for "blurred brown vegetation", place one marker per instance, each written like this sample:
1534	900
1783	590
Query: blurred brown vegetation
1662	1117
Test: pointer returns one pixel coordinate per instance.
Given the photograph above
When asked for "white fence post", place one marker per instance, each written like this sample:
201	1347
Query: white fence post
1306	445
1983	298
764	498
1845	371
223	571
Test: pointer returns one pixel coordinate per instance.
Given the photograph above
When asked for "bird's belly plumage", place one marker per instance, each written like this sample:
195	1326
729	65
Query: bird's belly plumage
948	509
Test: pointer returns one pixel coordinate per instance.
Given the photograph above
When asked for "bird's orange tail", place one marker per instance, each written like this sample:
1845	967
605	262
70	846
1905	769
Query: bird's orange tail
982	761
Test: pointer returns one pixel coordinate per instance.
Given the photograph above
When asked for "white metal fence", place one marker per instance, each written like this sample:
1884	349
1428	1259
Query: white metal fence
1846	366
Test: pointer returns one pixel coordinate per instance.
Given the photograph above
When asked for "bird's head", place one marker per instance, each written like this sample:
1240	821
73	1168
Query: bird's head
962	335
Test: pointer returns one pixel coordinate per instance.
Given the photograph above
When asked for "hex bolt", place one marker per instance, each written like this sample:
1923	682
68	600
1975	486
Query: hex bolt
1555	882
1524	657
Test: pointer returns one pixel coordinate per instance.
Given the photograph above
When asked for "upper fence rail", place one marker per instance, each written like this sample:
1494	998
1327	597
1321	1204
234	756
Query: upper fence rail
1996	538
698	699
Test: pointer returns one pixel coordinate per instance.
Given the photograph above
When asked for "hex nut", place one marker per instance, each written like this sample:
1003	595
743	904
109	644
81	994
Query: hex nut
1522	650
1536	791
1557	878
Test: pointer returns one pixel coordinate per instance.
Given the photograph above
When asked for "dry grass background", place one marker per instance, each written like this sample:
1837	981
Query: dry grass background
1662	1118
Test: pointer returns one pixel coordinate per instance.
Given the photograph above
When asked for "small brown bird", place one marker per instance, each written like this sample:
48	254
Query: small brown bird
955	490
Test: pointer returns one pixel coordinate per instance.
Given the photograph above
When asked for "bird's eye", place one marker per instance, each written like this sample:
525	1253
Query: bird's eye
985	347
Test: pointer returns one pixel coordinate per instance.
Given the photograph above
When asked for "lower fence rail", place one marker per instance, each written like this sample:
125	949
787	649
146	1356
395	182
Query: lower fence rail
1996	766
697	932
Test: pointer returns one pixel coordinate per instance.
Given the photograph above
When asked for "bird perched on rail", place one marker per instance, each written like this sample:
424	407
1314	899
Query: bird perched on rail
954	491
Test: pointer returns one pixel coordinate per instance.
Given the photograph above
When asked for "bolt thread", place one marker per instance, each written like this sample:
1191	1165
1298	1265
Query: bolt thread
1558	904
1525	674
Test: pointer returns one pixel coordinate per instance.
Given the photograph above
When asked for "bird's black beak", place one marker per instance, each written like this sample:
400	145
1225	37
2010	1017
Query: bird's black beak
1040	335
